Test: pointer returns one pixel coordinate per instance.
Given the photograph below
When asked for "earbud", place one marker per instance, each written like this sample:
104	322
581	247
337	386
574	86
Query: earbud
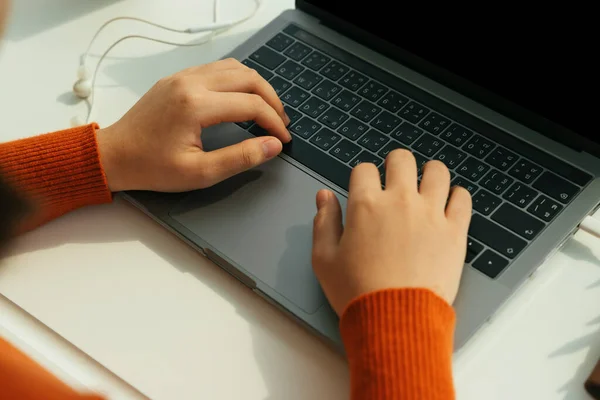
83	88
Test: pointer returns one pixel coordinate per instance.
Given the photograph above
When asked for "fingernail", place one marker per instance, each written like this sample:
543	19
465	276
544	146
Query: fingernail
286	119
322	198
271	147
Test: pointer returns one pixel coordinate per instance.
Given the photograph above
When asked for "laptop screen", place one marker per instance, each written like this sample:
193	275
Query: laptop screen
541	60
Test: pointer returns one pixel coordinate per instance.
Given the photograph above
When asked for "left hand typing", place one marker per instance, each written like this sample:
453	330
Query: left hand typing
157	144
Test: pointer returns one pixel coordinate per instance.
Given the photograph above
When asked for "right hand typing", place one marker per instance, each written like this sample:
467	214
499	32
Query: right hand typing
406	236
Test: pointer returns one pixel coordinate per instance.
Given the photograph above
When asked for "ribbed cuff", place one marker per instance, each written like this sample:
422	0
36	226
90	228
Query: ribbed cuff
399	344
57	171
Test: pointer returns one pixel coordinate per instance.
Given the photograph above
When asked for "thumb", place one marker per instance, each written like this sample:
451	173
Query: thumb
327	227
231	160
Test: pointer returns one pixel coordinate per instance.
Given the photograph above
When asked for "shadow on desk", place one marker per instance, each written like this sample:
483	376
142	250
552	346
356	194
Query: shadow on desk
293	364
590	342
31	17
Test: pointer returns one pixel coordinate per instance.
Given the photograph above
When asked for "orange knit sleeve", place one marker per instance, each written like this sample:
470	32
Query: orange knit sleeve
399	345
58	172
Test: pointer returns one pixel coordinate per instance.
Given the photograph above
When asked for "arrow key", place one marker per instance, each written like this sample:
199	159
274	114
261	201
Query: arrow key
490	263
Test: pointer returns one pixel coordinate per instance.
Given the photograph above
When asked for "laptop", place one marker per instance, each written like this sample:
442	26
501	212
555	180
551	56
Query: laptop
504	108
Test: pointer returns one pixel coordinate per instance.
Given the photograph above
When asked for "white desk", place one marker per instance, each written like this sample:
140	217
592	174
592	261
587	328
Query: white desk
171	324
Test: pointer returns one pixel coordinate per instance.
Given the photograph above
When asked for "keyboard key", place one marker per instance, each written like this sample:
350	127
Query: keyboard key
525	171
345	100
333	118
407	133
326	89
373	140
544	208
280	85
428	145
490	264
365	111
295	96
267	58
345	150
503	241
297	51
305	128
373	90
325	138
261	71
520	195
367	157
308	79
501	158
456	135
293	114
385	122
391	146
413	112
393	101
353	80
434	123
353	129
313	107
556	187
478	146
460	181
472	169
450	156
258	130
334	70
289	69
485	202
316	60
280	42
473	250
245	124
517	221
329	167
496	182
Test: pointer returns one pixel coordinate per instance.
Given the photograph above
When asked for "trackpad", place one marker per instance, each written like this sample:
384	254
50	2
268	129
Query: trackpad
262	221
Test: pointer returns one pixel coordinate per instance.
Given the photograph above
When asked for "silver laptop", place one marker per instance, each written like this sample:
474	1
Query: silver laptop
505	109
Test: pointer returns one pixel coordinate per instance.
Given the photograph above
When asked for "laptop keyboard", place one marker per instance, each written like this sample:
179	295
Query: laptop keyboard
345	111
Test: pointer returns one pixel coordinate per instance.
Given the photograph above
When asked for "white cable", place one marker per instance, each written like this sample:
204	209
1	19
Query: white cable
214	29
590	225
92	95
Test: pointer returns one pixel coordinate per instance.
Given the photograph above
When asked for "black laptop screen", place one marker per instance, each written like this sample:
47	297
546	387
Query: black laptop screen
541	59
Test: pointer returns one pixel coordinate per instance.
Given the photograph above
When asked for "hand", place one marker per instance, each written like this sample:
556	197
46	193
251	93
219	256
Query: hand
402	237
157	144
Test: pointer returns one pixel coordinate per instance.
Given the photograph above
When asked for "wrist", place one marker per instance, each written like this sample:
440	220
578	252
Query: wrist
112	159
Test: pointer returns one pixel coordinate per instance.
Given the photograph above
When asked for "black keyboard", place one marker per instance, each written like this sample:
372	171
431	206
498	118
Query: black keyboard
345	111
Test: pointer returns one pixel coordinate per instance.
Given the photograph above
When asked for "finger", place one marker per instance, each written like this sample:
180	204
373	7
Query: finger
327	226
364	177
435	183
460	206
225	64
218	165
246	81
401	171
220	107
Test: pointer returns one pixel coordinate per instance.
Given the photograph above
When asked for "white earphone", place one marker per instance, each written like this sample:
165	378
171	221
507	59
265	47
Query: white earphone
86	79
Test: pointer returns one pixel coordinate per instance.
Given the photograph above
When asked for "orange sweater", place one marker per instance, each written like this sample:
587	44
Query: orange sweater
398	342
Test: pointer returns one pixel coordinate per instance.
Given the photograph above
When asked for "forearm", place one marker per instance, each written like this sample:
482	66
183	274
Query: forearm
57	172
399	345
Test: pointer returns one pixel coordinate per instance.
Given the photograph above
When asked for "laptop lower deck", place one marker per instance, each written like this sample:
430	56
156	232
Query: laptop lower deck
345	111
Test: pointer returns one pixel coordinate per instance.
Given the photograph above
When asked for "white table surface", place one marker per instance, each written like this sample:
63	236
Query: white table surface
144	306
